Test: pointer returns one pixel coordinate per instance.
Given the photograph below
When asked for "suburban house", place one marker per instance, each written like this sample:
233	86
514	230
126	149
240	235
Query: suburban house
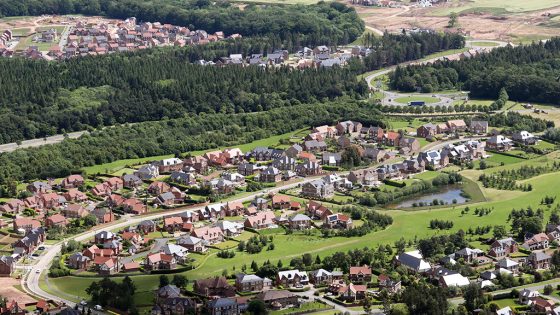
385	282
507	264
308	168
353	292
540	260
537	241
199	163
72	181
413	261
315	146
374	154
391	138
217	286
453	280
291	278
249	283
74	210
469	255
25	224
320	277
280	202
147	172
7	266
317	210
233	208
157	188
285	163
318	189
79	261
338	221
503	247
479	127
210	234
499	143
192	244
56	220
299	222
294	151
427	130
74	195
169	165
524	137
270	175
332	158
411	144
159	261
457	125
14	206
277	298
348	126
261	220
230	229
360	274
222	306
131	181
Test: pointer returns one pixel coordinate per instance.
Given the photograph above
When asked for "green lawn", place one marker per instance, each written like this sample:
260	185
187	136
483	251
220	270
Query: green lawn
307	307
496	159
484	44
417	98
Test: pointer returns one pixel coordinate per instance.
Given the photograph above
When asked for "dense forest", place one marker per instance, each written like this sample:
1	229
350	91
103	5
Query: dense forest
528	73
173	136
39	98
321	24
392	49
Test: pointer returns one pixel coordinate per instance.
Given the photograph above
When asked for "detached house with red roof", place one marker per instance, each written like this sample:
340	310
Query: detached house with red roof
160	261
360	274
210	234
281	202
391	138
13	206
72	181
74	195
262	220
56	220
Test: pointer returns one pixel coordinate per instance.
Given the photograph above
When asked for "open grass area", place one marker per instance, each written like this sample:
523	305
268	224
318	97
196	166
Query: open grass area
417	98
484	44
306	307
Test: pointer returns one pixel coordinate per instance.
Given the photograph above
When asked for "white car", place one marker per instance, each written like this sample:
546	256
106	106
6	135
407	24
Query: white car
37	271
83	302
98	308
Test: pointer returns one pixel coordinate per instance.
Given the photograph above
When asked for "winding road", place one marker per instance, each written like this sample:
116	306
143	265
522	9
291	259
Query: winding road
468	44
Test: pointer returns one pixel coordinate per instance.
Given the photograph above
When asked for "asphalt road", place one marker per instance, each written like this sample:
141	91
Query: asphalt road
9	147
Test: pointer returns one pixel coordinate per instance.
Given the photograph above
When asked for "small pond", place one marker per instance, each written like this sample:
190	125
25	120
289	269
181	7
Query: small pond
444	196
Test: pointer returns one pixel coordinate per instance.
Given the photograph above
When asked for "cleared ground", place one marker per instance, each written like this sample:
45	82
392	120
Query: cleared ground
522	22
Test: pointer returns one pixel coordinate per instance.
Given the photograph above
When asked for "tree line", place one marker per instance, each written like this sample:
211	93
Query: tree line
528	73
173	136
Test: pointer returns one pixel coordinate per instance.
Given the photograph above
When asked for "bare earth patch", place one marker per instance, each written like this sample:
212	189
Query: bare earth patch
8	291
515	27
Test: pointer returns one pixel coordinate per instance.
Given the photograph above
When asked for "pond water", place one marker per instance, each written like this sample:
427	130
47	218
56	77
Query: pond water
447	195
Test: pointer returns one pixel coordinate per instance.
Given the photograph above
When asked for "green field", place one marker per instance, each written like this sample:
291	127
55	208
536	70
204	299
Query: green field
496	6
417	98
484	44
304	2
